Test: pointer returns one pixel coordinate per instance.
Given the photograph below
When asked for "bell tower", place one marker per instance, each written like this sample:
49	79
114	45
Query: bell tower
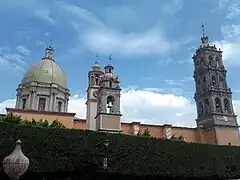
93	87
215	114
108	107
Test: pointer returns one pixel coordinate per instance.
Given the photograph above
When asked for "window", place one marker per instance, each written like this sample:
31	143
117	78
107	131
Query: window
110	103
206	104
41	104
59	106
97	80
201	108
92	80
226	106
110	84
204	82
218	105
220	82
24	101
218	62
210	63
213	81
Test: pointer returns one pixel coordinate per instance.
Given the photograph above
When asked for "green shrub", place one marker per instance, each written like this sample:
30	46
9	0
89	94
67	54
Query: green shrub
56	149
10	118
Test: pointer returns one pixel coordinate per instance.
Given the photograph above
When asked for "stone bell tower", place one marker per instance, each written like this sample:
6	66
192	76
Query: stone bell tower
93	87
108	104
213	97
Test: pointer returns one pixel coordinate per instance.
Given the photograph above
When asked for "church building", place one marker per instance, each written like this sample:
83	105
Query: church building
43	94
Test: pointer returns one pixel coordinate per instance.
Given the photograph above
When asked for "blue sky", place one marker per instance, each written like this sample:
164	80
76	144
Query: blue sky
151	42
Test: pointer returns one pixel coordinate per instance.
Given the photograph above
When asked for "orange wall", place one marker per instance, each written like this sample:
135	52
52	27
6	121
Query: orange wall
220	136
227	135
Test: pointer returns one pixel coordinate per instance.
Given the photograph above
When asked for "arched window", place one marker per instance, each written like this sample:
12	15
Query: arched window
41	104
202	63
218	61
206	104
97	80
221	82
218	105
110	104
226	106
204	82
201	108
210	63
214	81
92	80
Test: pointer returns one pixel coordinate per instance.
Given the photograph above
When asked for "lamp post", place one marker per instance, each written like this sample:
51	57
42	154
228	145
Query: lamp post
16	164
105	159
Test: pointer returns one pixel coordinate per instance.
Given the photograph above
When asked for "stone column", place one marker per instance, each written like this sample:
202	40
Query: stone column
29	100
50	108
66	105
17	106
34	100
54	102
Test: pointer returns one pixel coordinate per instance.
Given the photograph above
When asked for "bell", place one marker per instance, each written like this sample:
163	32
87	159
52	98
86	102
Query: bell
109	105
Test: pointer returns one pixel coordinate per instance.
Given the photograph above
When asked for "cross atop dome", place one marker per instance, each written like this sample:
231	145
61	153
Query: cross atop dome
49	52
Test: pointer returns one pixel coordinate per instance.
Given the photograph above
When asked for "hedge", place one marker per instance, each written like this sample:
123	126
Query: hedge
74	150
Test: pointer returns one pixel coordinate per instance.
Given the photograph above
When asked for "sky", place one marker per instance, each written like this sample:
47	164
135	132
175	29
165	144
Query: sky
151	43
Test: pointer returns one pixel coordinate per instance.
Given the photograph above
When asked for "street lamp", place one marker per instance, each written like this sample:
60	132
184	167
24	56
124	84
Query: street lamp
105	159
16	164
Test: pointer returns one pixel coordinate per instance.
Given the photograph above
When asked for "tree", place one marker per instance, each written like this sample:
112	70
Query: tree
146	133
180	138
10	118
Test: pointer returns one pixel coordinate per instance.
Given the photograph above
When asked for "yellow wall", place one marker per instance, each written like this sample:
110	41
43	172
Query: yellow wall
67	119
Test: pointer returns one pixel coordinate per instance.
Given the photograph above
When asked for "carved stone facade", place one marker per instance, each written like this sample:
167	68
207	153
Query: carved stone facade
43	87
92	95
213	96
108	102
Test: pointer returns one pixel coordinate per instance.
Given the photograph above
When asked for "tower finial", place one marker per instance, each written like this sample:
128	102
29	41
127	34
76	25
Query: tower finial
97	58
110	58
50	43
203	30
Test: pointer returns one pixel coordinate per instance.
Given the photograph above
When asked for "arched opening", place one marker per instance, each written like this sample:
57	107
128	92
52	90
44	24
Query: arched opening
201	108
110	84
229	144
204	82
214	81
218	105
218	62
41	104
92	80
110	104
207	108
221	82
97	80
226	106
202	63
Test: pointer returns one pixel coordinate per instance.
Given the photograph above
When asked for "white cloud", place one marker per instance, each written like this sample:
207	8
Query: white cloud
23	50
34	8
230	44
98	37
232	8
107	40
14	61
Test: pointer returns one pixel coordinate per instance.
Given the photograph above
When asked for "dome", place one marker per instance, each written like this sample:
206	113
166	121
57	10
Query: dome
46	71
